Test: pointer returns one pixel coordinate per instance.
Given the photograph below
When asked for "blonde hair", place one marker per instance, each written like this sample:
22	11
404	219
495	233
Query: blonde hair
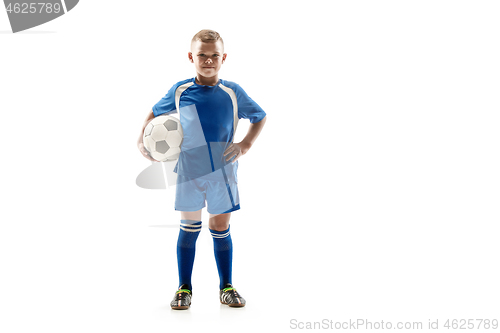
207	36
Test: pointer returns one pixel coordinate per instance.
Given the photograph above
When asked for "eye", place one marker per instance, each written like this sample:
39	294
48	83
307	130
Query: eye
216	55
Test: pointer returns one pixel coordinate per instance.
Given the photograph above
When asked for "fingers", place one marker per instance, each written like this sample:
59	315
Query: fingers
230	156
148	157
229	149
229	152
145	153
233	152
233	156
236	158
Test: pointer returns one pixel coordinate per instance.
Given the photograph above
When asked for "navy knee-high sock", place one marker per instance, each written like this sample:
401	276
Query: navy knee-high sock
223	250
186	245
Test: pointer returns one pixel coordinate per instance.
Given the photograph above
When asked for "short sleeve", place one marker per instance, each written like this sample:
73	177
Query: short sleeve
167	104
247	107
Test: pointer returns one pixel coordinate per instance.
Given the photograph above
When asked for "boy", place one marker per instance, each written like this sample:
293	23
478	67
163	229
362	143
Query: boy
209	110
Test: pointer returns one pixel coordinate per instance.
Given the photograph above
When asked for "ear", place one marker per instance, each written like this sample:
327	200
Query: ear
224	57
190	56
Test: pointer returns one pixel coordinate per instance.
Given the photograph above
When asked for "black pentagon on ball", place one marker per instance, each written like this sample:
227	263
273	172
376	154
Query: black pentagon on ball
170	124
162	147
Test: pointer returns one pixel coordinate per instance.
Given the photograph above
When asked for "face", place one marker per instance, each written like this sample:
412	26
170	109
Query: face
207	58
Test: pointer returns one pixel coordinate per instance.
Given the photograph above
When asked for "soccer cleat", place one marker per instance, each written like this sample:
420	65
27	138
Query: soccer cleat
228	295
182	298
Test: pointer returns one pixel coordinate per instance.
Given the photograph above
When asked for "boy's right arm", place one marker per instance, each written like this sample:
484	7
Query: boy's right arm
140	143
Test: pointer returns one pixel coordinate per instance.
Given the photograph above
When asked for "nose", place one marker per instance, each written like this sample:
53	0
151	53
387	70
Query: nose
209	60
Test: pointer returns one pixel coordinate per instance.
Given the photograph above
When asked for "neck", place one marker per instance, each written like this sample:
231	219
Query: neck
207	81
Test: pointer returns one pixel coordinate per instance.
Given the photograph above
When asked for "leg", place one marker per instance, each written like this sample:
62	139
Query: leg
223	249
189	200
186	245
223	246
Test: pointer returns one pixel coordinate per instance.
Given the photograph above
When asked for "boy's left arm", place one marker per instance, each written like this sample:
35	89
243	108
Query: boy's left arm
237	150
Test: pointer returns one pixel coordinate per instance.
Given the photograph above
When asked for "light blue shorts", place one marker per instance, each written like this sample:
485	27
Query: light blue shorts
220	197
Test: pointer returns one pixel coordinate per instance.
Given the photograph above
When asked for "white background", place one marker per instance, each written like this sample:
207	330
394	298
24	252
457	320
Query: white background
372	193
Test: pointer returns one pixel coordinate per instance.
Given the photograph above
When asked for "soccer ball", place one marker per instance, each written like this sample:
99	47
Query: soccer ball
163	138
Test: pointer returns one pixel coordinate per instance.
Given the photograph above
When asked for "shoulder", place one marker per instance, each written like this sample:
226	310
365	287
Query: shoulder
181	83
231	84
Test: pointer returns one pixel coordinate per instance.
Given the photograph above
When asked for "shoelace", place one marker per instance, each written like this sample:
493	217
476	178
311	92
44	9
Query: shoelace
181	291
235	293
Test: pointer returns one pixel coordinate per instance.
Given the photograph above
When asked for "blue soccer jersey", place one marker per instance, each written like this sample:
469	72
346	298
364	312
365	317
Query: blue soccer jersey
209	116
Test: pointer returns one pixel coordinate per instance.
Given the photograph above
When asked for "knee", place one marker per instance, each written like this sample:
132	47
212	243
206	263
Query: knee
219	222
